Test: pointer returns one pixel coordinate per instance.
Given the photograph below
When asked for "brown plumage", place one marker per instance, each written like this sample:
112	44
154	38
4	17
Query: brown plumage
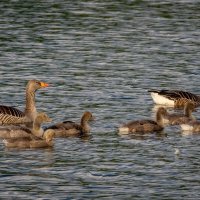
143	126
176	119
11	115
38	138
69	128
31	142
37	130
176	98
12	131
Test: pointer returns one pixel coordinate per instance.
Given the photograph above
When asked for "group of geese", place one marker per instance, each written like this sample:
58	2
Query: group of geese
24	129
168	98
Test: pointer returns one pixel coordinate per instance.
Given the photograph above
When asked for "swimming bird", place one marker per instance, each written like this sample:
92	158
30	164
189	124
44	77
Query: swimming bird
22	132
37	138
31	142
11	115
70	128
176	119
14	131
175	98
37	130
143	126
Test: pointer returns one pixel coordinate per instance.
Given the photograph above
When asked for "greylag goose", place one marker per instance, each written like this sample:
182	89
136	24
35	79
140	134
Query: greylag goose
175	98
11	115
143	126
69	128
31	142
12	131
176	119
36	138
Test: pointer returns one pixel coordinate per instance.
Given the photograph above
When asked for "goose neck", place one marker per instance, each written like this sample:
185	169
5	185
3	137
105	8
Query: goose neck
85	126
30	109
160	118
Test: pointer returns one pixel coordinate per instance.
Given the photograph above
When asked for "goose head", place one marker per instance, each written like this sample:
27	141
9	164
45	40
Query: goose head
48	135
42	118
34	85
87	116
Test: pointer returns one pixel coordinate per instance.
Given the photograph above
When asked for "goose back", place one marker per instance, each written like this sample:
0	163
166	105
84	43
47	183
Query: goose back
11	115
175	98
14	132
70	128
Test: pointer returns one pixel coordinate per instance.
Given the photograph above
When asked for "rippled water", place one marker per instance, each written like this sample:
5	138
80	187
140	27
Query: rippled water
101	56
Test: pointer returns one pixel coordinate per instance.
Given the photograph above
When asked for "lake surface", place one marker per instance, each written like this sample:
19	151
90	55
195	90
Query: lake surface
101	56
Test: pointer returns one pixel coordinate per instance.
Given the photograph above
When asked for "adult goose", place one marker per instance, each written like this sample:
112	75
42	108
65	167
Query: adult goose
175	98
176	119
144	126
11	115
70	128
36	137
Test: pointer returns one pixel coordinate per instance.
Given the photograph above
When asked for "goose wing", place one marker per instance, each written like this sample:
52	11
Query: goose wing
66	125
10	115
139	123
7	110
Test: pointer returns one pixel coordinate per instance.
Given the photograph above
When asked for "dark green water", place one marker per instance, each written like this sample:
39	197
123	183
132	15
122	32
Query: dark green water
101	56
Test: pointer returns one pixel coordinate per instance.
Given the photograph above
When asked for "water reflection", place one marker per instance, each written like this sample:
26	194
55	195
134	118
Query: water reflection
140	136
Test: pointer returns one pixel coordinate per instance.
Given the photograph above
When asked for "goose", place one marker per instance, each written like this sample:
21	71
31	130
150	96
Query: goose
11	115
70	128
12	131
36	138
175	98
143	126
176	119
31	142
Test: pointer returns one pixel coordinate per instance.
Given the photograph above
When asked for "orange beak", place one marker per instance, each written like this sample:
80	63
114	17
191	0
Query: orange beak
43	84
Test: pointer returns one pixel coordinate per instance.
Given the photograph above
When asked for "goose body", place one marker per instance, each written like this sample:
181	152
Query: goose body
176	119
31	142
143	126
175	98
38	138
11	115
14	131
70	128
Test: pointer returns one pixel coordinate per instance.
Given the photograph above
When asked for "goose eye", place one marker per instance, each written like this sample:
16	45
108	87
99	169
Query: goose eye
38	83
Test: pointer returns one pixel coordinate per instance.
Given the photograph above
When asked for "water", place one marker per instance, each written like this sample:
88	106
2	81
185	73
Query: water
100	56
